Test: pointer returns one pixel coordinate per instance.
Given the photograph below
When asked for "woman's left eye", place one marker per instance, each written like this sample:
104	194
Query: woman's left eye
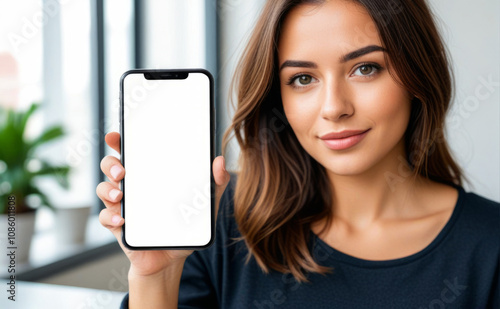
367	69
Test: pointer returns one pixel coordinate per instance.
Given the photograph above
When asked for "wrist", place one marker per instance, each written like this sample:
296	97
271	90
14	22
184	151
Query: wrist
171	270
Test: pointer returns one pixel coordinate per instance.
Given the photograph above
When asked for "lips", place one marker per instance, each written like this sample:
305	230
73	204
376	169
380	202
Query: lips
344	139
342	134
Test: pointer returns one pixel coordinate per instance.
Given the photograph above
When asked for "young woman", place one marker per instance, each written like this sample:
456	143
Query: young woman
347	195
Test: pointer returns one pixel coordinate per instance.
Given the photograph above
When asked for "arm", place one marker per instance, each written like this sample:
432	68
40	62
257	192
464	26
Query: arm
160	290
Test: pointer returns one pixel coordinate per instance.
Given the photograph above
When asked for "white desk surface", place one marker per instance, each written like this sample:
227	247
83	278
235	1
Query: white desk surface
41	296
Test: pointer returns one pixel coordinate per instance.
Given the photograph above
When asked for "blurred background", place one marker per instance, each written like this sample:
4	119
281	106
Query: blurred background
67	56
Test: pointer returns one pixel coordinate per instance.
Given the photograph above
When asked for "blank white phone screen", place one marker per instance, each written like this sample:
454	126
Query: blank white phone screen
167	186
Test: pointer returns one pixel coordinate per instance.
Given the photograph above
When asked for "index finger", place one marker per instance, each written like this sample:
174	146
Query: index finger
113	140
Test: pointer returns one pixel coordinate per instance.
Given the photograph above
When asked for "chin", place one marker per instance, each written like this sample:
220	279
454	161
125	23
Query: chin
344	170
345	166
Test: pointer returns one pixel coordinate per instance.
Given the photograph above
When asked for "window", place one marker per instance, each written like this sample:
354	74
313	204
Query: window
21	47
119	56
69	56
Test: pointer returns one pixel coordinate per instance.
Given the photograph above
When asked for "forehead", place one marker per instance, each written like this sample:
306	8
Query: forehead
335	26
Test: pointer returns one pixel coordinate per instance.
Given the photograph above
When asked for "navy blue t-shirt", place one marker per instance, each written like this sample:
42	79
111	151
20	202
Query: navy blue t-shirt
458	269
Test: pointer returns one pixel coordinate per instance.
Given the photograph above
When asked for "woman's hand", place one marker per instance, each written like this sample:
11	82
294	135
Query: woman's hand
143	263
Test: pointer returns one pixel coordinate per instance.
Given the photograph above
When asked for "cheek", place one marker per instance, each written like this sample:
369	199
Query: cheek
388	111
301	112
393	108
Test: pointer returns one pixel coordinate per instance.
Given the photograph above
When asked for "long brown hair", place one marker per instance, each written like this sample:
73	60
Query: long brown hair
280	189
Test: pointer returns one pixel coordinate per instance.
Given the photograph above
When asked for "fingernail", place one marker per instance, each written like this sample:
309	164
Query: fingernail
113	194
116	219
115	171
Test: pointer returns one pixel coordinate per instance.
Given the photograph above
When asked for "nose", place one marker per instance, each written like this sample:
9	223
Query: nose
336	102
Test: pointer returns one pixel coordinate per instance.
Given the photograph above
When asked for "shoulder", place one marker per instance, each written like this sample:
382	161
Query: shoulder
475	240
479	217
480	210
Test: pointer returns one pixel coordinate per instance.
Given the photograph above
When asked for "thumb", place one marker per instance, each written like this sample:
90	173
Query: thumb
221	177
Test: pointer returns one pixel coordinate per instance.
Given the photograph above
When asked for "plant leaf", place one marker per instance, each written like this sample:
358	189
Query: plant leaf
49	134
26	116
13	149
60	173
16	152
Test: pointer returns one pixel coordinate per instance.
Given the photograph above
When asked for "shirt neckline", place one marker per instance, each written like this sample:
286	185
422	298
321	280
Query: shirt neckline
339	256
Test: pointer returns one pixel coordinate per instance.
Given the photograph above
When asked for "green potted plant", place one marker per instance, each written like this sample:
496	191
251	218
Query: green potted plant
19	169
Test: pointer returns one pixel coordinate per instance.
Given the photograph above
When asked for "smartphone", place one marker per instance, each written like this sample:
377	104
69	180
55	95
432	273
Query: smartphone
167	148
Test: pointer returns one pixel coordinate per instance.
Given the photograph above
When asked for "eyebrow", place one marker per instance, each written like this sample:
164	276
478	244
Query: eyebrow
352	55
362	51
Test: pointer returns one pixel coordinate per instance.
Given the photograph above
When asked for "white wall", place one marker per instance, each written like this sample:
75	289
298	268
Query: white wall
471	31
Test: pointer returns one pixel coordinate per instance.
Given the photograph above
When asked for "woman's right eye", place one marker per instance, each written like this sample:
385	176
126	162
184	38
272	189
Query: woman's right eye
302	80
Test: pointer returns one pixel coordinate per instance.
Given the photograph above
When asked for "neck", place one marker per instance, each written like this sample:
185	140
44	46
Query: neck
384	192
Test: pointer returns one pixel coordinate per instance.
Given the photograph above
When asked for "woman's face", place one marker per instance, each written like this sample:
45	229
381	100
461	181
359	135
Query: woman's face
334	79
